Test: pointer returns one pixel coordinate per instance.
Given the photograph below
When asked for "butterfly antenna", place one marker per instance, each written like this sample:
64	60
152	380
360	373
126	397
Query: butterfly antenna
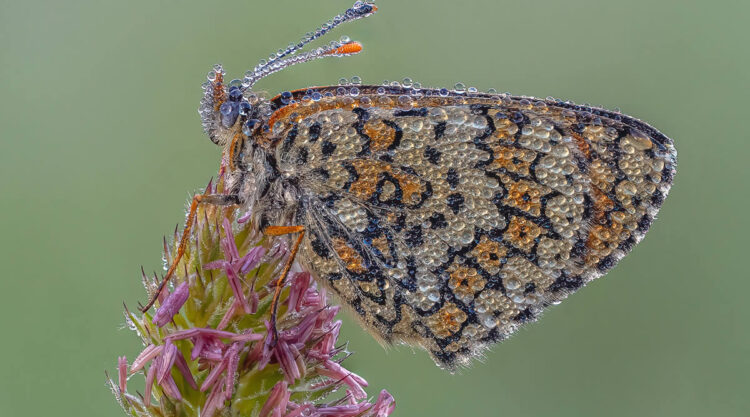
344	48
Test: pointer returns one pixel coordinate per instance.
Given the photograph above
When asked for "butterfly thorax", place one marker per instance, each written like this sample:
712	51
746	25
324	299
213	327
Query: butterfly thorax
237	121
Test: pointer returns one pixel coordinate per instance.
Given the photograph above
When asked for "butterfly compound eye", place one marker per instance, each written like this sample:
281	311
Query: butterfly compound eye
229	111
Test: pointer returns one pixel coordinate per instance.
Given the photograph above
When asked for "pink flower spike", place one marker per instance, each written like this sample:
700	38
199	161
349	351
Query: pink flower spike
200	331
150	352
254	300
213	376
170	388
279	249
301	332
335	371
285	357
162	294
328	314
247	336
122	370
209	189
284	401
297	292
184	369
340	369
150	376
227	317
299	410
255	354
252	259
358	379
233	359
242	364
172	305
221	263
342	410
231	265
230	248
197	348
350	397
214	402
211	354
299	359
234	282
267	351
384	405
279	395
167	360
328	343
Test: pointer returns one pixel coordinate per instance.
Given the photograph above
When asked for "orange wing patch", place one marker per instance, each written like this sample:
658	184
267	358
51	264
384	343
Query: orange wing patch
608	230
511	159
465	282
489	254
370	173
381	135
351	258
522	232
526	196
447	321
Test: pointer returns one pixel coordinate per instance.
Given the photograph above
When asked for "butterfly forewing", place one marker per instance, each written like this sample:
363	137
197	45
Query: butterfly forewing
447	220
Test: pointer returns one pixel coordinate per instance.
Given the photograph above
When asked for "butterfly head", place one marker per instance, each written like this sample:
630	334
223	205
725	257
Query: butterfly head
227	109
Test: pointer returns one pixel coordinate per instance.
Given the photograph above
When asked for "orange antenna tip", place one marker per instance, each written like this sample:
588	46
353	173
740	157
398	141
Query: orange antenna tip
346	49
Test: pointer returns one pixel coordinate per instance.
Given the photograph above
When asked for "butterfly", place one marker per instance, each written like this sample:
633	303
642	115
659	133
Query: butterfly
444	219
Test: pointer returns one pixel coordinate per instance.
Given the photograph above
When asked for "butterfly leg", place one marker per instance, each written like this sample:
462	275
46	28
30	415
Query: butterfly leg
280	231
213	199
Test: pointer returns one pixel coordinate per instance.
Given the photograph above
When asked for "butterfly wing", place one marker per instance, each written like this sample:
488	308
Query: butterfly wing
446	221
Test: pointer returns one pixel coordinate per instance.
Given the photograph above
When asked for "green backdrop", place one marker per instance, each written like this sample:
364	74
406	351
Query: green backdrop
101	146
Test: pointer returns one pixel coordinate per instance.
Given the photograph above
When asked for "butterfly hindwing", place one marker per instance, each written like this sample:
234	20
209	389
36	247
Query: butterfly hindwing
447	222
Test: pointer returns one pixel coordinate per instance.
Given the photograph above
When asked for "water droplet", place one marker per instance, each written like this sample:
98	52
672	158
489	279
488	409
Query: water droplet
286	97
459	87
235	94
225	108
512	284
404	102
249	126
245	108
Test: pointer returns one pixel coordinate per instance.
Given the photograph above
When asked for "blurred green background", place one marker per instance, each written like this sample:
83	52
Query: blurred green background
101	146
